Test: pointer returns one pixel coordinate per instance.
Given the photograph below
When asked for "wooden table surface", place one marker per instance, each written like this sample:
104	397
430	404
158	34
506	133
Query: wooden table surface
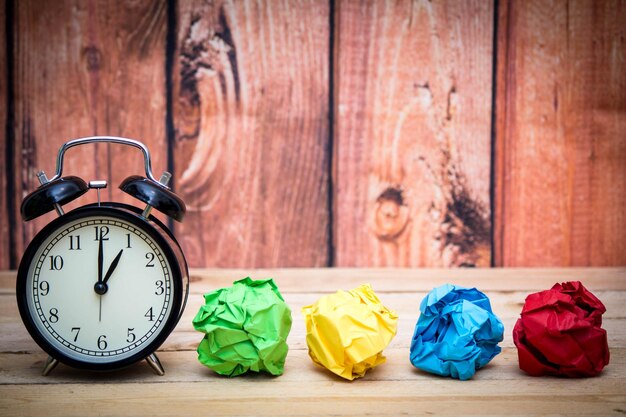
393	388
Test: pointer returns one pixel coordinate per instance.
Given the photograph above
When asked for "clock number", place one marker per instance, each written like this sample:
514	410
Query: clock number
56	262
54	315
72	242
101	232
131	336
149	314
77	330
150	258
159	290
44	288
102	342
127	240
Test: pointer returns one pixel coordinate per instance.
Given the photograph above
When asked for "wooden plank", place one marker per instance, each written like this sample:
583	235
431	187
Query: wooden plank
505	303
5	193
83	69
253	396
183	366
412	131
251	112
423	279
324	280
184	338
560	148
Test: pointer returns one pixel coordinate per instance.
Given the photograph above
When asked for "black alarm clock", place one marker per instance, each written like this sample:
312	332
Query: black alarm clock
102	286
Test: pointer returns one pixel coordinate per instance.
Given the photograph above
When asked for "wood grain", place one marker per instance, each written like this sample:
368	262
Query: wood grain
423	279
561	127
183	366
272	398
412	133
5	193
82	69
251	110
188	388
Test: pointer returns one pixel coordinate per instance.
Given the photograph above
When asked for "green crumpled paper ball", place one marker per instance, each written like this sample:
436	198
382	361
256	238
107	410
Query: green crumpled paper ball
246	328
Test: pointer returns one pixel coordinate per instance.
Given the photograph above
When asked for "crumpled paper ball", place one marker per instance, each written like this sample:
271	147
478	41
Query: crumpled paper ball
346	332
559	333
246	328
456	333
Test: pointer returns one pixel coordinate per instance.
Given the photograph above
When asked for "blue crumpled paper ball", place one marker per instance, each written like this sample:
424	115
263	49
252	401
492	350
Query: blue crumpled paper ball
456	333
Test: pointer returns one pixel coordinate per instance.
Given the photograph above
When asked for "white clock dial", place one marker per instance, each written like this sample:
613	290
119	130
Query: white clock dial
107	255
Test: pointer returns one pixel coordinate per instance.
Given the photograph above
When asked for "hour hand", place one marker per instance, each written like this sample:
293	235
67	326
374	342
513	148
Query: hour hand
113	266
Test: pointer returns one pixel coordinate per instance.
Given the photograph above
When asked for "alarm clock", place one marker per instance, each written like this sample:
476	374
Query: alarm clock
102	286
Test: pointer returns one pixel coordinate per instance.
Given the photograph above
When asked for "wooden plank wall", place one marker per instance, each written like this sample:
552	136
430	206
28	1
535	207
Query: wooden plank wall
561	134
412	133
334	132
252	141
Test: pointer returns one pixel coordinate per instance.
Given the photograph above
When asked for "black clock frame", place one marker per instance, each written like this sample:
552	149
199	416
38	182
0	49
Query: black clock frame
153	228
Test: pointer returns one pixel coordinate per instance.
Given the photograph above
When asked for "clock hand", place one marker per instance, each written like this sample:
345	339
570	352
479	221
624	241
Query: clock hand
100	261
113	266
99	287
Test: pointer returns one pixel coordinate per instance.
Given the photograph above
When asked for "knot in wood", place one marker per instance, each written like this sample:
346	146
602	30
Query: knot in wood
93	58
391	215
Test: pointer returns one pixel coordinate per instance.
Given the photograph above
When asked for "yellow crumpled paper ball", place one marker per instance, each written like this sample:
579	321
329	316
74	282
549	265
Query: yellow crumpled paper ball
347	331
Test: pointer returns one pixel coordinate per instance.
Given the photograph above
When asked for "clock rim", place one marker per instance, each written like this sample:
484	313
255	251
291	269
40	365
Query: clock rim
148	226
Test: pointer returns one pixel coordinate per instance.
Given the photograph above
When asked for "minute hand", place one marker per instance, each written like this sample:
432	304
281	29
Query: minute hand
100	261
113	266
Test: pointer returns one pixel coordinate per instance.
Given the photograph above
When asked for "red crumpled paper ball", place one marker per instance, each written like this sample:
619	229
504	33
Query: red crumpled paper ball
560	333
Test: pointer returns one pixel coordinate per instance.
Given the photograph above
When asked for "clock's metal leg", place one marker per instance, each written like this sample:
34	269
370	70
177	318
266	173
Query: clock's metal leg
155	364
51	363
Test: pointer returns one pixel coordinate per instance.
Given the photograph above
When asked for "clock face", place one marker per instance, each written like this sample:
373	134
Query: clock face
100	289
